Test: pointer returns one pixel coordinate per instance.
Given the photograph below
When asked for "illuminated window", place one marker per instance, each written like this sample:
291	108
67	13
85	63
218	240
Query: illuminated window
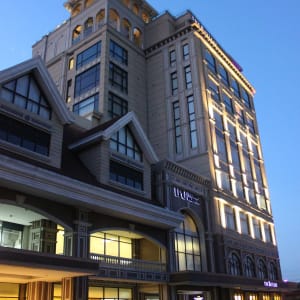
88	3
145	17
9	291
76	34
135	9
60	240
57	291
71	63
187	246
26	93
98	292
114	19
137	37
88	26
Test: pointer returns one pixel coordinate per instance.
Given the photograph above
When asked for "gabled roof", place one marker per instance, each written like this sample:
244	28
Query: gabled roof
106	130
46	83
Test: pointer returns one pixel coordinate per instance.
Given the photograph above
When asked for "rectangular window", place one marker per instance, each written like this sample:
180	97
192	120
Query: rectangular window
244	223
224	75
268	234
246	98
118	53
211	61
257	229
177	127
185	51
250	124
235	87
221	144
188	77
240	115
174	83
87	80
86	106
88	55
116	105
214	90
125	175
118	78
172	58
68	94
228	103
25	136
192	122
230	218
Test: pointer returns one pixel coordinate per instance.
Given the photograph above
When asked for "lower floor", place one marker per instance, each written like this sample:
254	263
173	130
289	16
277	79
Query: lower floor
84	288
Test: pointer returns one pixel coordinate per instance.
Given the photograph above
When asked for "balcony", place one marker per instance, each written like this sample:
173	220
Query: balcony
130	269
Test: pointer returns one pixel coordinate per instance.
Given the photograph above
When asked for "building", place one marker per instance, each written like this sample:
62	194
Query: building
131	165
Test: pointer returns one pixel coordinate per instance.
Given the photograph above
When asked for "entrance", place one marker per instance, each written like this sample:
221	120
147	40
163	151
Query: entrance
193	295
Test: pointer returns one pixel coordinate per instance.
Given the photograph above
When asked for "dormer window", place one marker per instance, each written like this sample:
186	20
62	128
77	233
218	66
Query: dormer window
25	93
124	143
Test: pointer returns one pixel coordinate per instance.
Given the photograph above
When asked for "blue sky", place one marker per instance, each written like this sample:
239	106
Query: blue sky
264	38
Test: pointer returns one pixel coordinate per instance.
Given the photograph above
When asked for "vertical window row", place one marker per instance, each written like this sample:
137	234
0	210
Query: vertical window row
192	122
177	127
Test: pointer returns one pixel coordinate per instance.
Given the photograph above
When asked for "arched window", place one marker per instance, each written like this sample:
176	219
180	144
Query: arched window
137	37
126	3
145	17
88	3
114	19
76	34
135	9
100	18
262	270
234	265
126	28
273	272
187	246
249	267
88	26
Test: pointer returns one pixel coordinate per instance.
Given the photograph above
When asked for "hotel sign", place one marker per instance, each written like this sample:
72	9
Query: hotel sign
270	284
185	196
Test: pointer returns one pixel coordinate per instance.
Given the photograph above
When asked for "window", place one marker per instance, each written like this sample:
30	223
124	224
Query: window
172	58
188	77
214	90
224	75
257	229
230	217
221	144
88	55
246	98
211	61
26	93
177	127
123	142
9	291
125	175
87	80
235	87
185	51
273	272
137	37
192	122
174	83
118	78
126	30
116	105
268	233
68	94
100	18
240	115
99	292
187	246
76	34
262	270
228	103
118	53
71	63
244	223
57	291
86	106
249	267
234	265
250	124
23	135
88	26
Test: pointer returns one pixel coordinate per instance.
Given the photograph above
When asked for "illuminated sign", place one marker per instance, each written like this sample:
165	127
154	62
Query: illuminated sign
185	196
270	284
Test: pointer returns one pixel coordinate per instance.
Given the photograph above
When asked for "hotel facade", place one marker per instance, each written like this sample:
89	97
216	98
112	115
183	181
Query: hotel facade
131	165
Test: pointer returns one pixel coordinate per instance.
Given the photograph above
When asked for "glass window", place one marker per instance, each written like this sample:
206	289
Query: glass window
9	291
88	27
228	103
125	175
257	229
118	78
86	106
221	145
249	267
224	75
116	105
76	34
268	233
211	61
68	94
118	53
23	135
172	58
240	115
250	124
230	217
185	51
187	246
235	87
244	223
26	93
123	142
177	127
273	272
188	77
87	80
192	122
234	265
262	270
214	90
246	97
88	55
174	83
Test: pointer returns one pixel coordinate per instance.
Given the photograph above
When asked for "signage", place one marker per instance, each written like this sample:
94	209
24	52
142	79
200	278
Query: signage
185	196
270	284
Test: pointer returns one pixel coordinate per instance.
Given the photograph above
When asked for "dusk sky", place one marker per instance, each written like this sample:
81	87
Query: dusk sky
263	36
